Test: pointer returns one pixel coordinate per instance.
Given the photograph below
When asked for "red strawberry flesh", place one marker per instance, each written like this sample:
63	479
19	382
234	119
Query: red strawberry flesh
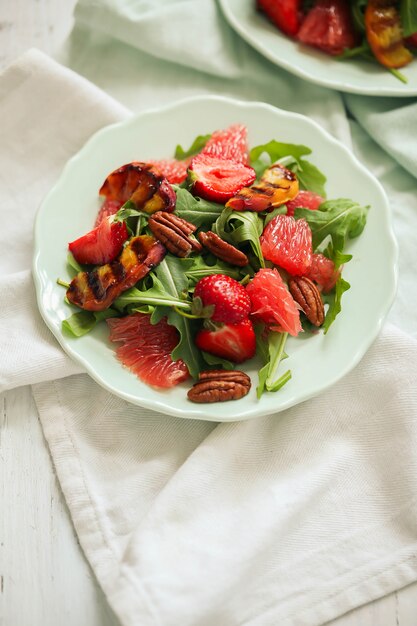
283	13
101	245
230	300
219	179
234	342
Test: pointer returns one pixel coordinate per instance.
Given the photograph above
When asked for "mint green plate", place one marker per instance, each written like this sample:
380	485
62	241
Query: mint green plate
70	208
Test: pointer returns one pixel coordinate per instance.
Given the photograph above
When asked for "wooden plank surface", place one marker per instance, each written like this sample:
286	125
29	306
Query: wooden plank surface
44	578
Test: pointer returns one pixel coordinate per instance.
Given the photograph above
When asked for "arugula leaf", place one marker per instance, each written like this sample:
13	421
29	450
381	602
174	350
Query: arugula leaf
73	264
267	381
408	12
309	176
239	227
341	219
275	150
339	258
334	300
80	323
197	145
290	156
211	359
197	267
196	210
168	290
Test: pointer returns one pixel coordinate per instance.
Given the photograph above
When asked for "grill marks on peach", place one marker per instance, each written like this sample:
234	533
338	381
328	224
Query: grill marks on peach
95	290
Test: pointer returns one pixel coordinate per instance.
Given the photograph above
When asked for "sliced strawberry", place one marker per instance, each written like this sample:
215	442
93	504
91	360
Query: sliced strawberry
305	200
219	179
328	26
234	342
230	143
283	13
230	300
101	245
109	207
174	171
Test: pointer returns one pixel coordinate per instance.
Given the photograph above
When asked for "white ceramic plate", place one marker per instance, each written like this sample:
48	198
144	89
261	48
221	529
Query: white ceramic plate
71	206
354	76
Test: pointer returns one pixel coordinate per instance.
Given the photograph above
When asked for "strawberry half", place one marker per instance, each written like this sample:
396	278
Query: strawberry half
219	179
234	342
230	300
102	244
283	13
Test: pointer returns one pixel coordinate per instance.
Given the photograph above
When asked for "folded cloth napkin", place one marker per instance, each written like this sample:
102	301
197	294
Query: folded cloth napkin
291	519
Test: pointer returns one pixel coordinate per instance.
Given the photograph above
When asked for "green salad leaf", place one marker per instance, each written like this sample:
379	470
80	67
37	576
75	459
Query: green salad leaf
168	291
290	156
273	352
340	219
197	145
196	210
408	13
309	176
240	227
80	323
275	150
211	359
197	267
334	300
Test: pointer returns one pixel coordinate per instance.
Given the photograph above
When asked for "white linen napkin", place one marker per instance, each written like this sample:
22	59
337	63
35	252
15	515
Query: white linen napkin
291	519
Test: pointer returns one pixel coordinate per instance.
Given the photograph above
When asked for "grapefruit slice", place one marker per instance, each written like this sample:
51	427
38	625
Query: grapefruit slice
323	272
304	199
230	143
288	243
146	349
272	303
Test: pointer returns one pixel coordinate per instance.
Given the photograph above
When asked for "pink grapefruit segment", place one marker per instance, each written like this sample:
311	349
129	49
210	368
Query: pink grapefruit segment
306	200
323	272
146	349
272	303
230	143
288	243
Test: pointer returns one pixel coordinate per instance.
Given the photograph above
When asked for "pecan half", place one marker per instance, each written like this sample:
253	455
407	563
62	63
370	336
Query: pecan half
307	295
220	386
174	232
223	250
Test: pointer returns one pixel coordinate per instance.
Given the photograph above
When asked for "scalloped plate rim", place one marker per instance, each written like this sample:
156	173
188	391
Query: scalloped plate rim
208	412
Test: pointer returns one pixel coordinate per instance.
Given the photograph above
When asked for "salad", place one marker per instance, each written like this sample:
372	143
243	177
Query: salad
201	262
384	31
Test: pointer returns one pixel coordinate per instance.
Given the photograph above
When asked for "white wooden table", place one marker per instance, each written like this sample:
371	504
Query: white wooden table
44	578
